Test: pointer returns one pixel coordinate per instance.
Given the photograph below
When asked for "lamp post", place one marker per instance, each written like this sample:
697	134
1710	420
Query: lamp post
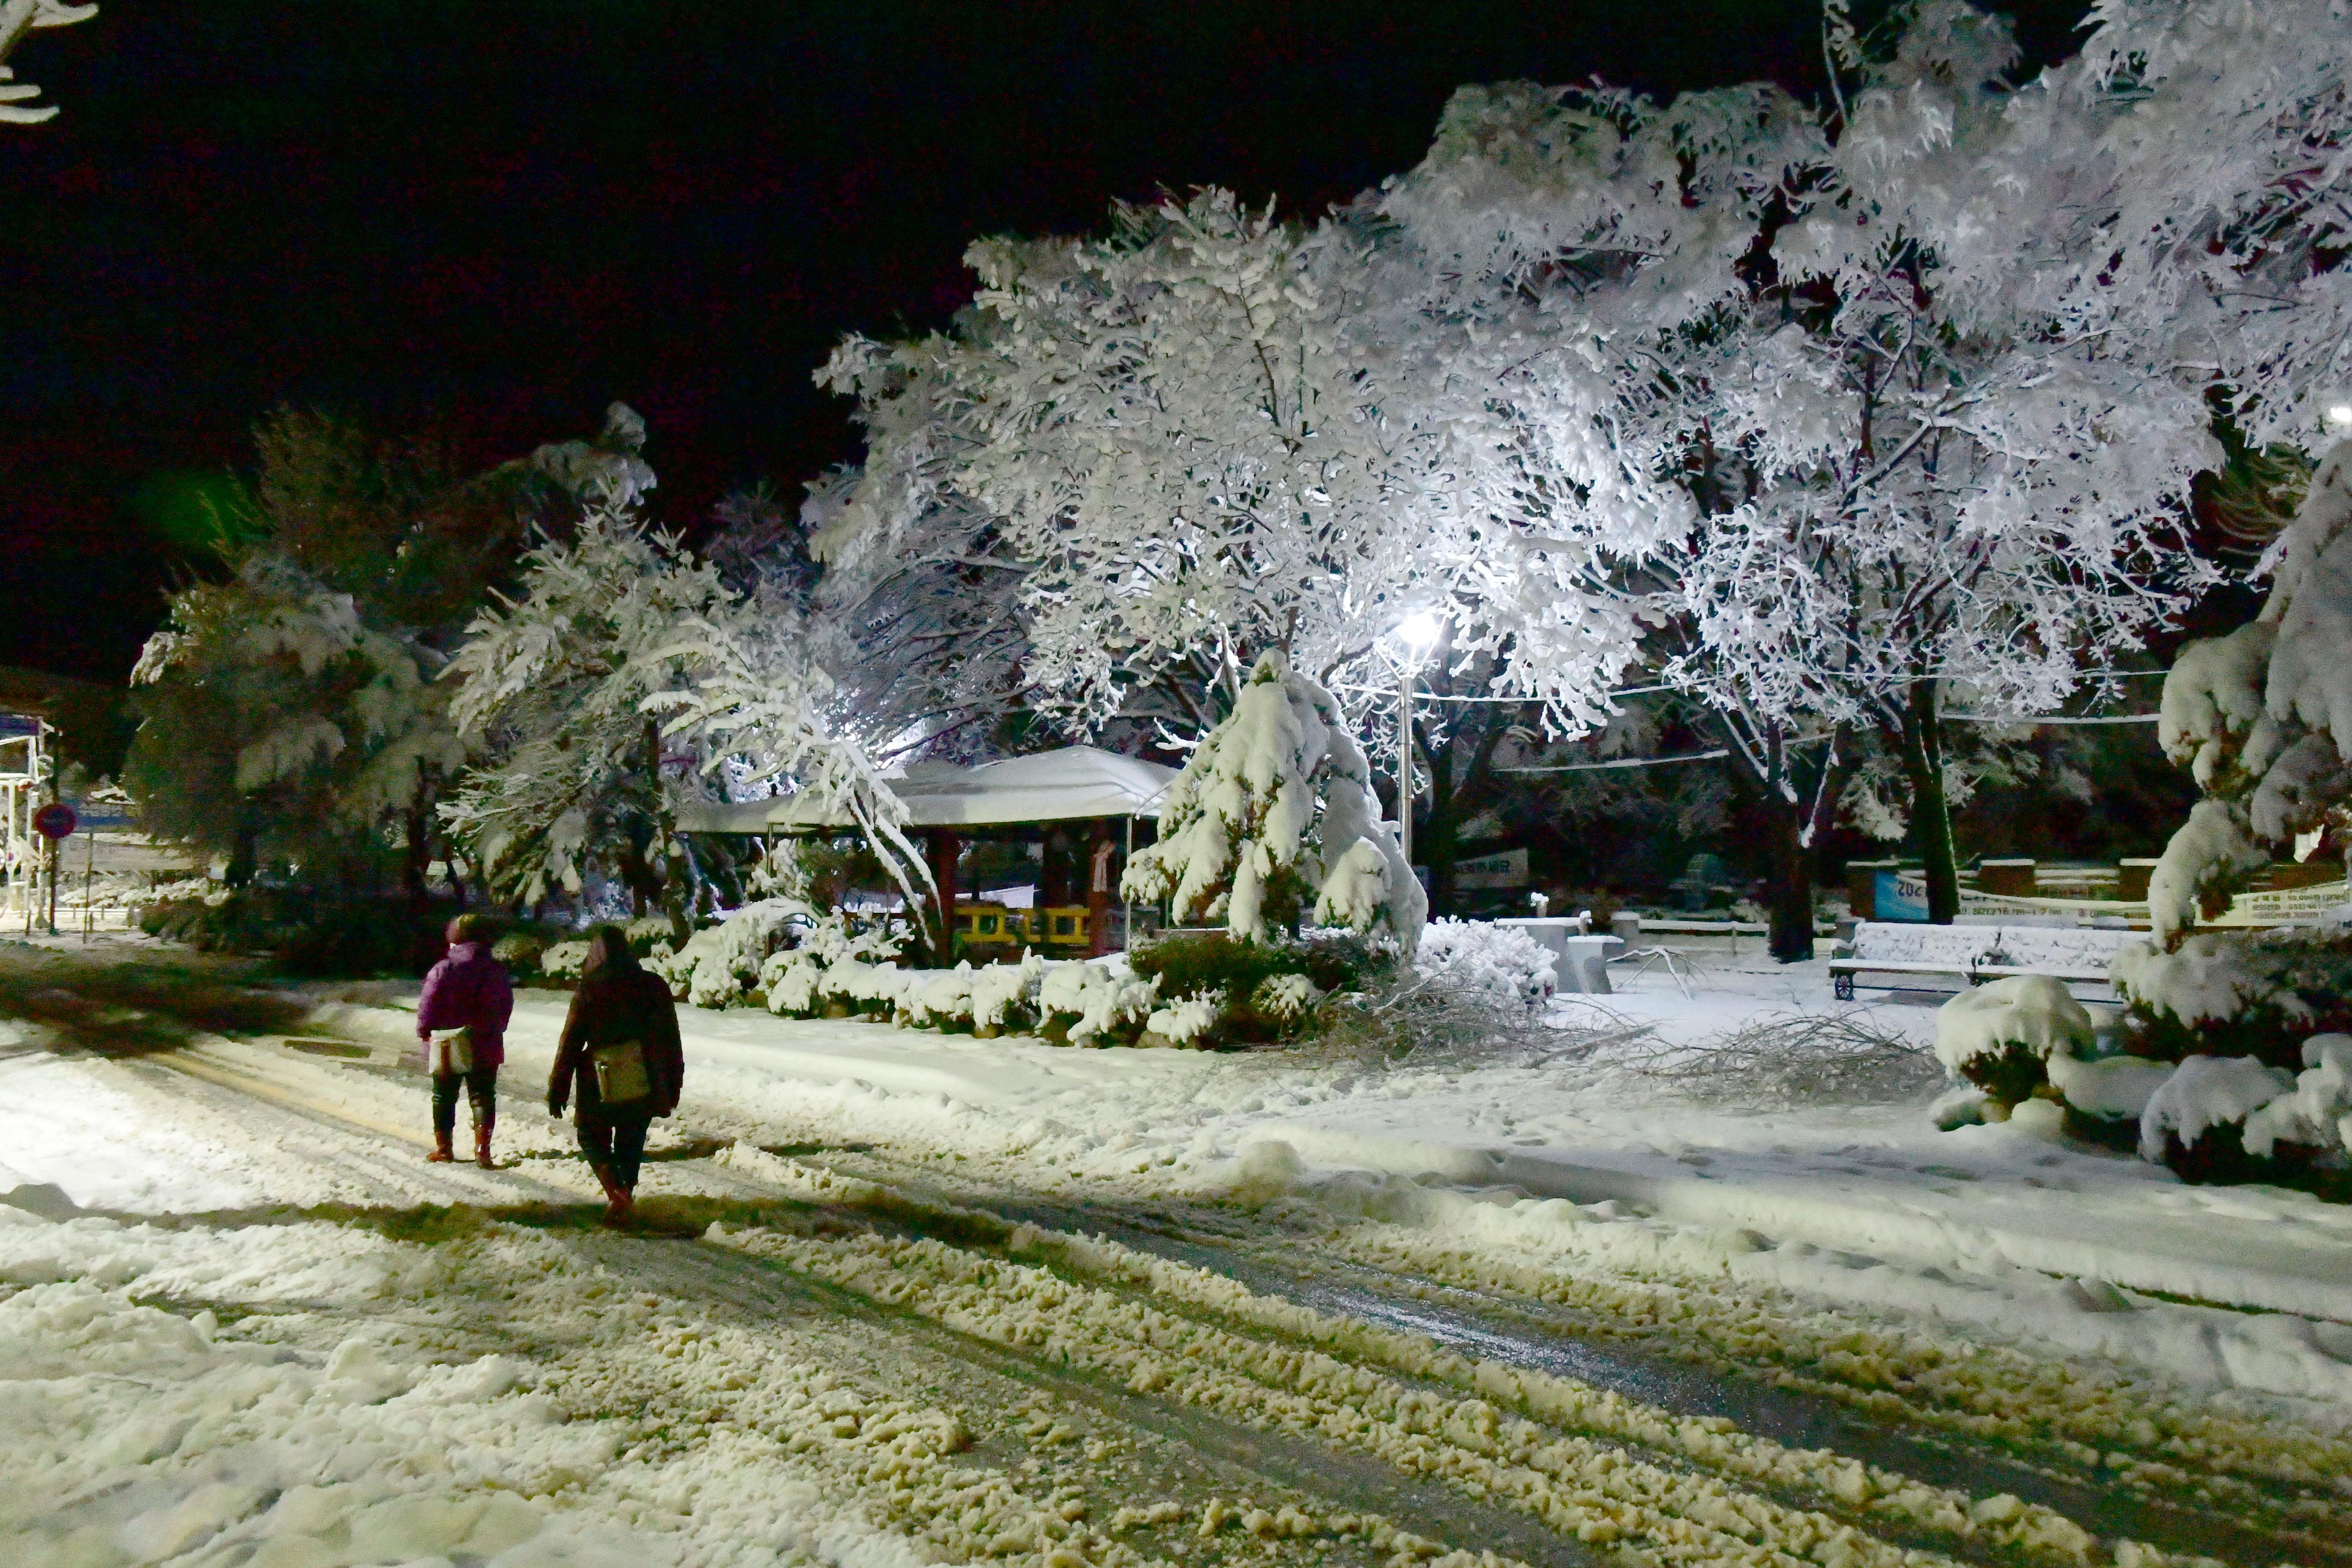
1417	635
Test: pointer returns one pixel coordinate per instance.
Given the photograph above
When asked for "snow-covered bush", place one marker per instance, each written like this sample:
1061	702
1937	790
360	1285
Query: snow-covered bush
938	999
519	951
1998	1037
1480	956
1092	1004
2105	1095
2236	994
2196	1122
562	959
1288	999
1275	813
789	980
1004	996
2317	1112
1184	1022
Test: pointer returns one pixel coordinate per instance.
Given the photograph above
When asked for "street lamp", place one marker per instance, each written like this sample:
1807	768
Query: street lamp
1416	635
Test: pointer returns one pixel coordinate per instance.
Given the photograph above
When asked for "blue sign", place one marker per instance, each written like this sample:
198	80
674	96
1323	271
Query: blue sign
1900	896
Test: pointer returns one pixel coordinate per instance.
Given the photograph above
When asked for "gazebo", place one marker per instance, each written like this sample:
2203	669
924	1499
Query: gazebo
1079	793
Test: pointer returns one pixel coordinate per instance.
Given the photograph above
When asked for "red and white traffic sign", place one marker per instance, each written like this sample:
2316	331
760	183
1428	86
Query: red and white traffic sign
55	820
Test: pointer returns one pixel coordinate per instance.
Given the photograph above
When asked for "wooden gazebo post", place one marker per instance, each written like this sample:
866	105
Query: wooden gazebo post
1100	882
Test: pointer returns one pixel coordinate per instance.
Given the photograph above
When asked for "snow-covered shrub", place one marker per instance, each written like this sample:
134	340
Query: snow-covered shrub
2105	1096
519	952
1998	1037
1092	1004
790	980
647	932
2263	717
2317	1112
1273	814
2236	994
1288	999
722	963
2195	1121
1185	1021
1498	961
1004	996
940	999
562	959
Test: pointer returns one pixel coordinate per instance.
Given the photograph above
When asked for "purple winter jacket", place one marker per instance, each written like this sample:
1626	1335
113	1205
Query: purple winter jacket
468	990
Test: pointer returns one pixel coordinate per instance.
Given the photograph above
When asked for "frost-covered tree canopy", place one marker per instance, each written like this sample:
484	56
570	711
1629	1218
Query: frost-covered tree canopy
1200	438
1274	819
626	676
1914	449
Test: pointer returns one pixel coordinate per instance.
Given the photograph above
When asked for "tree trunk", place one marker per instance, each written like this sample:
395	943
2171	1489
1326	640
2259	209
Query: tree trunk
946	850
1437	843
242	857
419	859
1931	812
1792	881
677	880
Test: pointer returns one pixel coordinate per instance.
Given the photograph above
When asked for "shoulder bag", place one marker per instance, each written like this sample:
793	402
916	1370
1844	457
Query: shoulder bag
452	1052
621	1076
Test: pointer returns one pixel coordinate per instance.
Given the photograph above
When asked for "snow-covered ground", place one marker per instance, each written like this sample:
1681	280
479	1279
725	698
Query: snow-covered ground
248	1324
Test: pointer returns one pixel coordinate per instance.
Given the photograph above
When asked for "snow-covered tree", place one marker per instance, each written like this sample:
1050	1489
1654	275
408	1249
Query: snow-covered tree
2224	134
620	678
1273	821
288	716
2263	716
551	685
1912	456
279	729
1208	434
18	17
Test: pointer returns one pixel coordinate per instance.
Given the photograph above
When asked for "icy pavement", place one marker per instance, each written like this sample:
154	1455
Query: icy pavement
909	1298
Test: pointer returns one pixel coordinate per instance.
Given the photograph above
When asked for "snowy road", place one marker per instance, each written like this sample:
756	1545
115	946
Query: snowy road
256	1328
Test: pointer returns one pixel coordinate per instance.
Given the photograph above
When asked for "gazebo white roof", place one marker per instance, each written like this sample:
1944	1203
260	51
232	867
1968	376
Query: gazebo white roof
1072	784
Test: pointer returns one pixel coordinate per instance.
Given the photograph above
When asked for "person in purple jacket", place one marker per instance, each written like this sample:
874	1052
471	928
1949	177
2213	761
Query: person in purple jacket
468	990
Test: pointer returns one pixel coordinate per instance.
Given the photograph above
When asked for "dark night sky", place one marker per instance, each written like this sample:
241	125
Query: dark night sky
487	221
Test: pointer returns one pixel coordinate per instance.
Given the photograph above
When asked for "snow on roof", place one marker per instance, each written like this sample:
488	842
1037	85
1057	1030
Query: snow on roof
1074	783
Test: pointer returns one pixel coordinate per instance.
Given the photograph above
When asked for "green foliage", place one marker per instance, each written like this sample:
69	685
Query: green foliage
309	934
288	716
1190	963
2293	985
2007	1075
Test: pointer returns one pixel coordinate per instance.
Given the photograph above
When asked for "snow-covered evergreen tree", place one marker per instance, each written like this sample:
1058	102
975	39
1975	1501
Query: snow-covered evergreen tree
2263	716
289	718
1273	820
279	729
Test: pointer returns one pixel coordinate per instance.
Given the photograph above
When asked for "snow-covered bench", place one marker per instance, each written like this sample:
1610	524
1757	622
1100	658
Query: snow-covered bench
1975	953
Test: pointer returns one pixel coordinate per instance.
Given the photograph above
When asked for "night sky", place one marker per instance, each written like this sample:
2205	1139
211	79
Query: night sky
487	221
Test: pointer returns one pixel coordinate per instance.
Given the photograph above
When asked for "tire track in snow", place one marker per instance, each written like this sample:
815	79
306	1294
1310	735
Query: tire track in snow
1491	1329
1239	1455
1467	1330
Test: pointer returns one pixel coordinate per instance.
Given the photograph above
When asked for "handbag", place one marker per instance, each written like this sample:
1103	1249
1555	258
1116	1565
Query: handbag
452	1052
621	1076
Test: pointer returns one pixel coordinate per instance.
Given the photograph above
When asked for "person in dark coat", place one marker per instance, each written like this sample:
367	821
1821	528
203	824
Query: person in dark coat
468	990
617	1004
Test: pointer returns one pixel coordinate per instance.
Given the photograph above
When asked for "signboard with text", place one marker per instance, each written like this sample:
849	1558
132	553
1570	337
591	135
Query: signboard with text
1508	870
1900	896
